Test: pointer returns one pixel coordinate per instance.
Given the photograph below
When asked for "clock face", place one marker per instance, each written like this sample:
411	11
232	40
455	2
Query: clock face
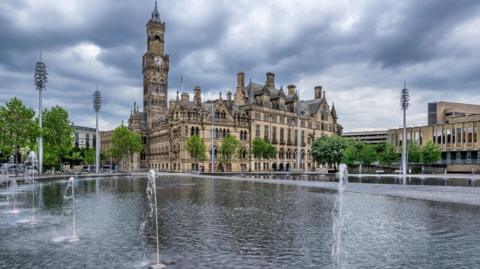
158	60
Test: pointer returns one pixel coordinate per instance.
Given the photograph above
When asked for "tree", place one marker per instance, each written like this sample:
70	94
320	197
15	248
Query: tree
74	156
389	155
18	127
196	147
125	143
258	147
329	150
414	153
263	149
431	153
367	155
229	148
89	156
350	155
57	136
380	147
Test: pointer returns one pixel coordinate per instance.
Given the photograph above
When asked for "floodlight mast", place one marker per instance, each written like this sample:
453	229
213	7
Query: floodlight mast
40	80
404	102
97	104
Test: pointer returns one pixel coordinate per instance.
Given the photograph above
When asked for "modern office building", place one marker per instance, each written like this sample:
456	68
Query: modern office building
438	112
84	137
369	137
456	132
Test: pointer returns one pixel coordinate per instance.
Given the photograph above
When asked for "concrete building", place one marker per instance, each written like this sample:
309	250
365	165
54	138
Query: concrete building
84	137
439	111
457	137
261	110
369	137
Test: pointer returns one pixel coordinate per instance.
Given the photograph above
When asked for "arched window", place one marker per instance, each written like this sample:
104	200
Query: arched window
192	131
224	133
197	131
223	115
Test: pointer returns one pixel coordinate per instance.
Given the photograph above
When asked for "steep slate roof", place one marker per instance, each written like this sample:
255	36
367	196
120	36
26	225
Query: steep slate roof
313	105
333	112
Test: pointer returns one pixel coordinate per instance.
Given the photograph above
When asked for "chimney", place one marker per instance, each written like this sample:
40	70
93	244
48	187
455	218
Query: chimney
270	80
240	79
229	96
171	103
185	98
318	92
197	96
291	89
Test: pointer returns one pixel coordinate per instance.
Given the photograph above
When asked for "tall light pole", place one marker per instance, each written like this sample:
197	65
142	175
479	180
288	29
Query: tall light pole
40	79
298	133
404	102
97	104
213	142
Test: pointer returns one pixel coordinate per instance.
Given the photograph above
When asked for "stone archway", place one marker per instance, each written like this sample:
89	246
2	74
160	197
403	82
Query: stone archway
280	167
274	167
287	167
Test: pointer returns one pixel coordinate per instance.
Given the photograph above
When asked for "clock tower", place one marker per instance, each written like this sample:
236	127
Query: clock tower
155	71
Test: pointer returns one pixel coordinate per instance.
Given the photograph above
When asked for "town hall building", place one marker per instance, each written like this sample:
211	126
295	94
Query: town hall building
255	110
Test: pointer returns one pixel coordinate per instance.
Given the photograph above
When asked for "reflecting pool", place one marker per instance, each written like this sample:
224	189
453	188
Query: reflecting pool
218	223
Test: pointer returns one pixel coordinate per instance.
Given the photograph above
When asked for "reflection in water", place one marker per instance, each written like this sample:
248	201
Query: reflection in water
207	223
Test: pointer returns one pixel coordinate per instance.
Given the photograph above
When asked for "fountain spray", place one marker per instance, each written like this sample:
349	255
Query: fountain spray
152	191
71	186
13	189
338	217
33	159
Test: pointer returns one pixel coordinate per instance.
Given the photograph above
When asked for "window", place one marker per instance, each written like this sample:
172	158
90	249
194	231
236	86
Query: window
257	131
77	139
289	135
265	133
281	135
274	133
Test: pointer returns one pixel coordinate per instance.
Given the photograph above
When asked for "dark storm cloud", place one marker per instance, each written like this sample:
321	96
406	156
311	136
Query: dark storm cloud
360	53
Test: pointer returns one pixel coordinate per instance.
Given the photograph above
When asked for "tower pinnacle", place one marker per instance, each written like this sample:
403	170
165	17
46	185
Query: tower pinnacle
155	13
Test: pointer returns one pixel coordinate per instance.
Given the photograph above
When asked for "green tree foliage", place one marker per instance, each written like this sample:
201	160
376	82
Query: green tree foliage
350	155
125	143
89	156
263	149
414	153
329	149
196	147
389	155
367	155
74	156
431	153
381	147
229	148
18	128
57	136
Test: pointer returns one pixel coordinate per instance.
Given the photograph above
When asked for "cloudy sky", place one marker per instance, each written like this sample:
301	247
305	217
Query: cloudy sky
359	51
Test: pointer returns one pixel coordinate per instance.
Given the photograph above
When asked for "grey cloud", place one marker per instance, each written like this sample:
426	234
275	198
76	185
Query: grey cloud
304	43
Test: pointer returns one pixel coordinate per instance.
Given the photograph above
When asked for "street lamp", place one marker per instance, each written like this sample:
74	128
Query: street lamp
40	79
97	104
404	102
298	132
212	115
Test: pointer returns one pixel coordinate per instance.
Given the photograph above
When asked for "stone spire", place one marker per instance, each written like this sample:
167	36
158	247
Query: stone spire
333	112
155	14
